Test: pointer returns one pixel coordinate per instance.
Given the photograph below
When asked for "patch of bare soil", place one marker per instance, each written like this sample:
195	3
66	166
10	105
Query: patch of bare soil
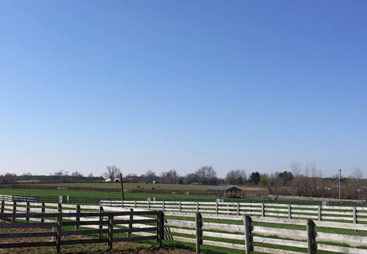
139	250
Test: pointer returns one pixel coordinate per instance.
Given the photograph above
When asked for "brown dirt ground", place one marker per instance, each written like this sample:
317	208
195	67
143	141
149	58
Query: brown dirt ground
118	248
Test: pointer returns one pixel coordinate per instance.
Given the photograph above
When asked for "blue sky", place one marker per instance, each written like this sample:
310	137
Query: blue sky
181	84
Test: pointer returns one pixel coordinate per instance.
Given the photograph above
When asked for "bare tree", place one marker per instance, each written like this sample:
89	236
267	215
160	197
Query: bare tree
8	178
150	176
170	176
206	175
236	177
76	174
357	173
296	168
112	172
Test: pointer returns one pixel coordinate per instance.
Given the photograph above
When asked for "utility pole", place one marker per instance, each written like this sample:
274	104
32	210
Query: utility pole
340	180
122	187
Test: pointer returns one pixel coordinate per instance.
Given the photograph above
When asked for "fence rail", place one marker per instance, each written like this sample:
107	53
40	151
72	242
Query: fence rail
245	232
52	199
290	211
108	225
266	235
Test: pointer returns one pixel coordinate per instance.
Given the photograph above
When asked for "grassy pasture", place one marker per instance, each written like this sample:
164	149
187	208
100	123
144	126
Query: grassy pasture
134	186
133	195
133	191
101	194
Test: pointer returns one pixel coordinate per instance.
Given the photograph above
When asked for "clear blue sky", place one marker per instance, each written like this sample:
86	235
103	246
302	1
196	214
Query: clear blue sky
181	84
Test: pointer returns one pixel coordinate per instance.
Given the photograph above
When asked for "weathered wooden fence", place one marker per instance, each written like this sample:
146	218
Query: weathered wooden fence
108	225
266	235
244	232
290	211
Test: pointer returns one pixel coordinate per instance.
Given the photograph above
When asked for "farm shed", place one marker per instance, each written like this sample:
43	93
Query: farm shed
229	191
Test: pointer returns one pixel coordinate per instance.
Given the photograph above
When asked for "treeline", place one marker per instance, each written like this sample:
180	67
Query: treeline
59	176
205	175
301	180
307	181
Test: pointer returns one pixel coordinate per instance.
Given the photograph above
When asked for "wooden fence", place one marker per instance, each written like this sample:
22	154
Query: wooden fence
108	225
260	234
265	235
289	211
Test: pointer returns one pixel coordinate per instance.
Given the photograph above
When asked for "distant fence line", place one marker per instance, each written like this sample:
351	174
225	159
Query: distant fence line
320	199
52	199
65	199
290	211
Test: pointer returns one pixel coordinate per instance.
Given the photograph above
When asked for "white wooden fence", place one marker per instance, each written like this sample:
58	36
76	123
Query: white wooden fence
267	234
289	211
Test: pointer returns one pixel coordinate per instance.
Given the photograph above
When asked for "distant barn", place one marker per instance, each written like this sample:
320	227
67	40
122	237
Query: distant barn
228	191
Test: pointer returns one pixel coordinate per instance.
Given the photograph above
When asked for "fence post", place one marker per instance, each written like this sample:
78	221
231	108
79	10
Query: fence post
59	228
163	206
77	217
216	207
319	213
43	211
2	206
110	231
354	215
131	221
148	205
160	228
199	231
289	211
248	234
100	222
134	203
311	237
262	210
197	207
122	204
238	209
14	209
179	206
27	212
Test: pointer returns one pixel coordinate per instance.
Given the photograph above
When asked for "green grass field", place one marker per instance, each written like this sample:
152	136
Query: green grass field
135	186
132	195
133	191
140	191
101	194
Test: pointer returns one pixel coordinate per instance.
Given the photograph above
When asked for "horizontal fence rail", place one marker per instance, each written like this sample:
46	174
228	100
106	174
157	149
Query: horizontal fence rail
266	235
96	226
191	223
290	211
